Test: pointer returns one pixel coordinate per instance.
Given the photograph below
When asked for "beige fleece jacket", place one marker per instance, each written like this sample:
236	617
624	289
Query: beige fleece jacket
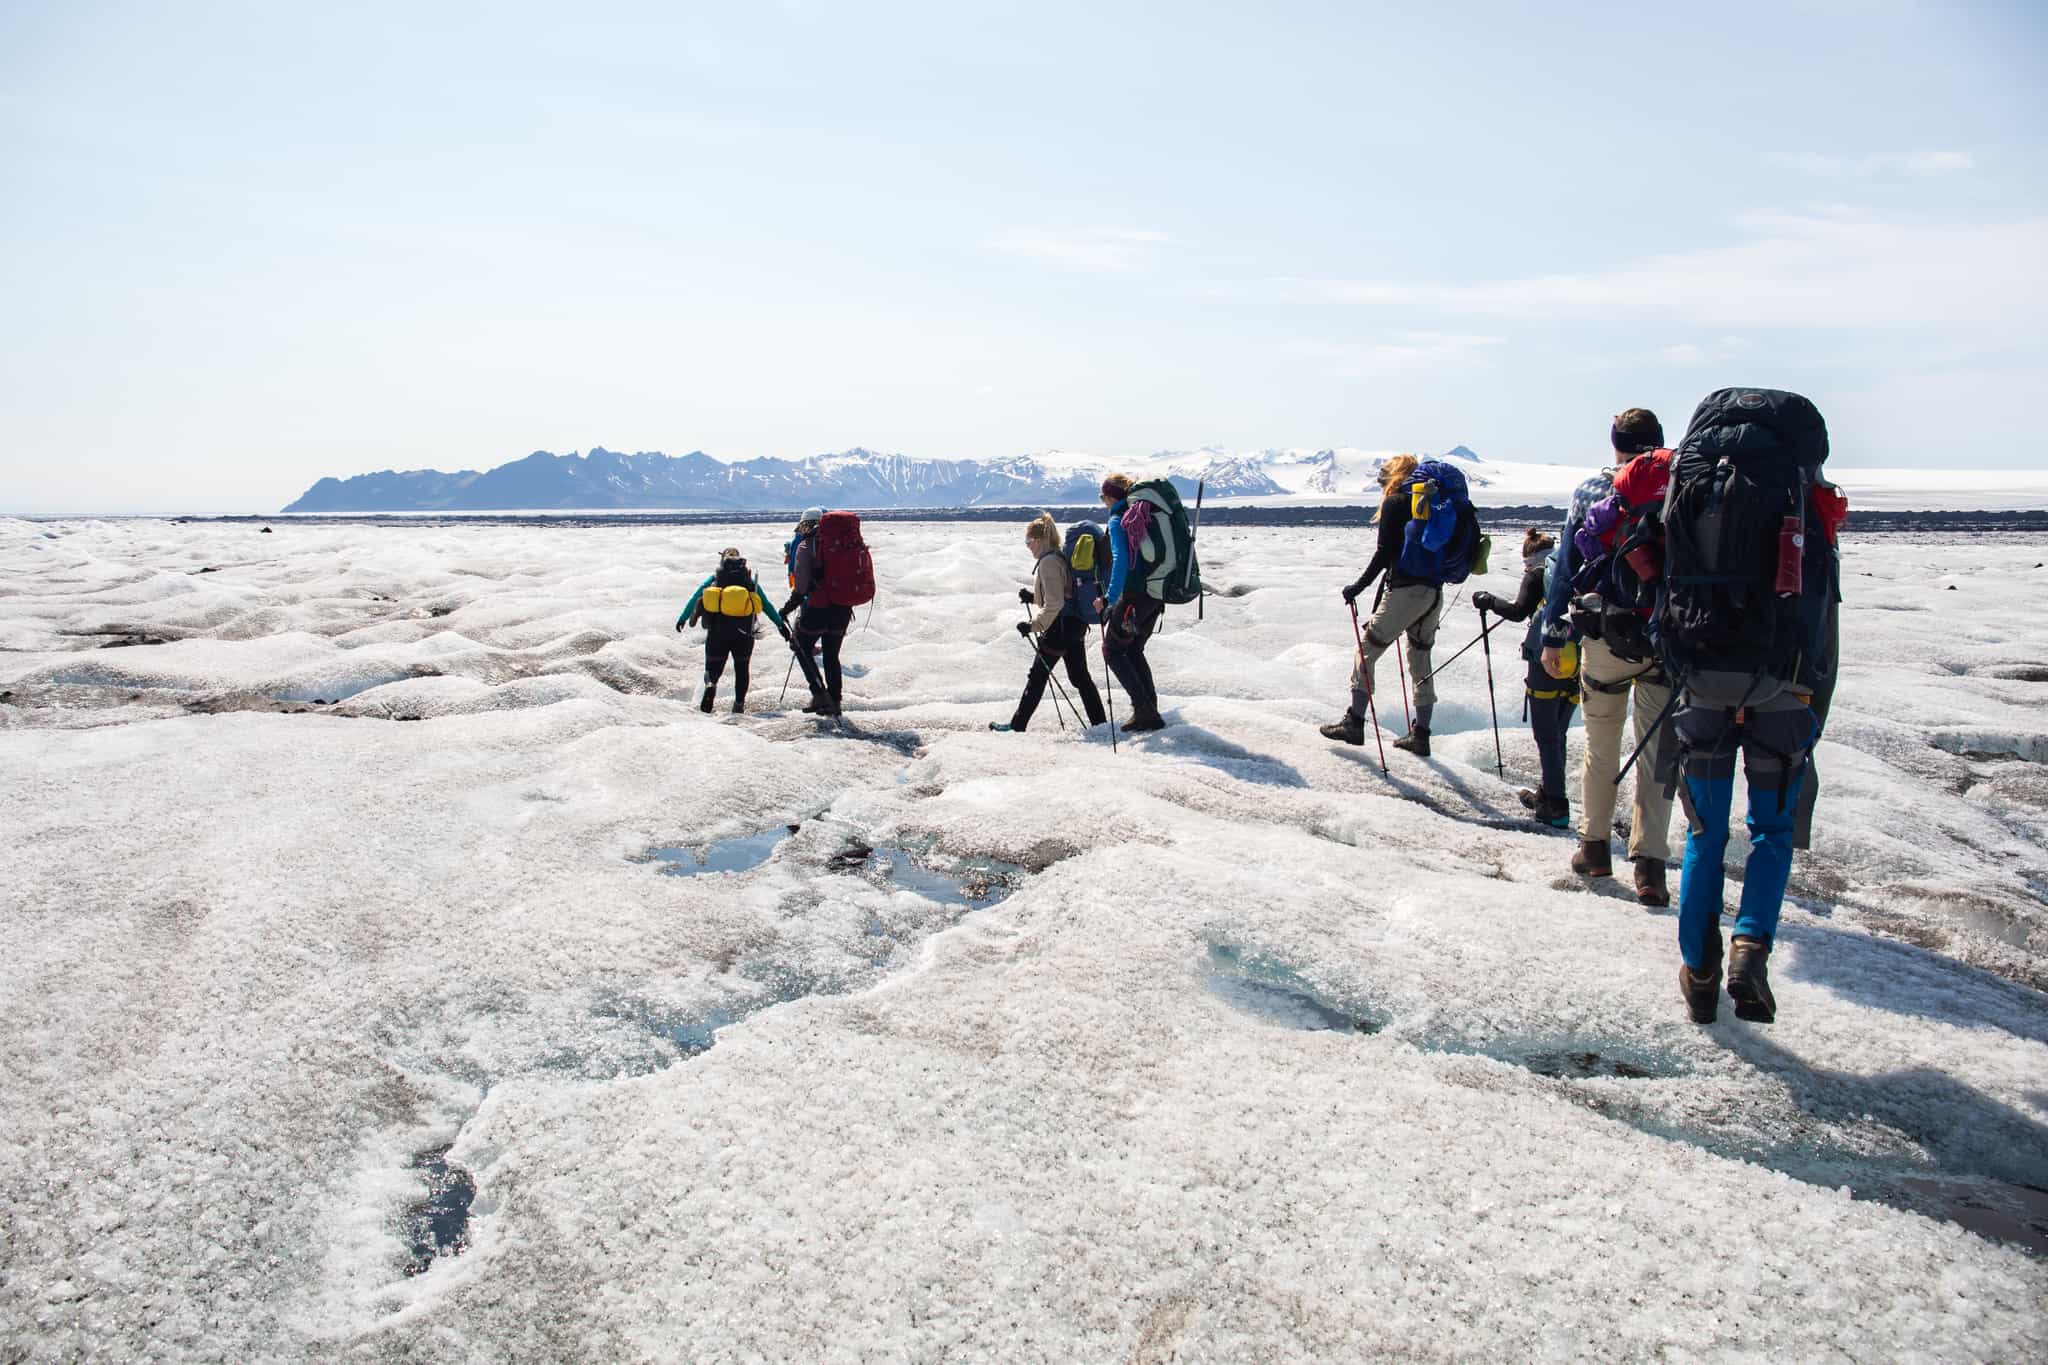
1049	590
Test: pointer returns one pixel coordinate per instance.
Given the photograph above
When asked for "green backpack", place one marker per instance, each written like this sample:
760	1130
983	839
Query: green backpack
1164	565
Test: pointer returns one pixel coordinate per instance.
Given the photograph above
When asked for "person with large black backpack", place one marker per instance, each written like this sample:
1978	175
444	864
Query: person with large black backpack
1428	536
726	605
1058	629
1746	625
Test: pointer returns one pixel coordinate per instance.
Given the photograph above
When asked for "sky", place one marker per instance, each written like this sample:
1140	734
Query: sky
243	246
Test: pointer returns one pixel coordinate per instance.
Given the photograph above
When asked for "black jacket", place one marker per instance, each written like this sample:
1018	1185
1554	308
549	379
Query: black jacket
1386	556
1528	597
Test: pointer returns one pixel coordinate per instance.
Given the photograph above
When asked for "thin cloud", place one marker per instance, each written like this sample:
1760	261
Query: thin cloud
1880	163
1792	270
1087	249
1688	354
1398	350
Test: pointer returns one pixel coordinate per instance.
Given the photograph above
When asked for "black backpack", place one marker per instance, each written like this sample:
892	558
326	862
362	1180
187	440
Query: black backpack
1747	574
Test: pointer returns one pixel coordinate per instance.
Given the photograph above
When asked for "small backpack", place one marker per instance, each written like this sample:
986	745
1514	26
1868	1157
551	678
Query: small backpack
1163	552
1087	553
1621	548
789	557
1746	587
1441	541
730	595
846	574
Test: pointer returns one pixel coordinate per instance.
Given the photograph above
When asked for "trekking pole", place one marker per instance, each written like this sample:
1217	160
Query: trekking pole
1399	667
1677	692
1402	669
1108	691
1500	766
786	676
1037	658
1194	531
1483	628
1060	693
1370	709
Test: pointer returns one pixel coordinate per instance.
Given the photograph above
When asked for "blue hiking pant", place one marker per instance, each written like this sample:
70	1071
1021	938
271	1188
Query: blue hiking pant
1775	742
1550	704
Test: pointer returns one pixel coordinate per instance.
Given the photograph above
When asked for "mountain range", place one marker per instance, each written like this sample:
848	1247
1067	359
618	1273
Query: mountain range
857	478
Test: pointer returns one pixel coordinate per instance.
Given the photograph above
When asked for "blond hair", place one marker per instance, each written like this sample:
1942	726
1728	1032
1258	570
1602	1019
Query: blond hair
1392	472
1043	531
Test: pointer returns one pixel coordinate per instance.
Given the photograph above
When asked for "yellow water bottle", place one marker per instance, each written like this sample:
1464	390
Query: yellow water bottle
1418	500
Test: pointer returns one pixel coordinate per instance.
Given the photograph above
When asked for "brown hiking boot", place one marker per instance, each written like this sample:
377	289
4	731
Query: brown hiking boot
1749	984
1702	991
1650	887
1350	730
1594	859
1416	742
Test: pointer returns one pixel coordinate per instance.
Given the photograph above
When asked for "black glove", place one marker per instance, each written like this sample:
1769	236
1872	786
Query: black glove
1351	593
1024	629
783	630
1025	596
679	625
1486	601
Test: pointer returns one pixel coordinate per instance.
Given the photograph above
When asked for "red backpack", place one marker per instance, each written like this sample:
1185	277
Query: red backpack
846	575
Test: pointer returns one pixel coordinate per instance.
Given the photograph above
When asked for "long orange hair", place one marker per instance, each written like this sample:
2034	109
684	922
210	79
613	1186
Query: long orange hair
1392	473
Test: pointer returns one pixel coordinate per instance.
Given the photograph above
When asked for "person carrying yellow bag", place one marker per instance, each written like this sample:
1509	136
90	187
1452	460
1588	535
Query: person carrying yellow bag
726	605
1549	701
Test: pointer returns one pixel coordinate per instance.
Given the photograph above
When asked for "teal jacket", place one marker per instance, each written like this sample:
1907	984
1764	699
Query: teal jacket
753	586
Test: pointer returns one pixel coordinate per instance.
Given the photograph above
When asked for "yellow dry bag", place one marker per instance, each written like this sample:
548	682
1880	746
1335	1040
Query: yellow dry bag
734	600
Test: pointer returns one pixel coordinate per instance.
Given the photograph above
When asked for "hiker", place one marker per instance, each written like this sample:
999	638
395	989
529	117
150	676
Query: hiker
1617	666
1129	614
1754	650
1416	571
830	574
725	604
1548	703
1059	633
789	549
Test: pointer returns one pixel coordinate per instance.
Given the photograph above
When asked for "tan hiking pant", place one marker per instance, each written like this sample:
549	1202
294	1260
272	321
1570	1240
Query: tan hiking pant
1604	712
1411	610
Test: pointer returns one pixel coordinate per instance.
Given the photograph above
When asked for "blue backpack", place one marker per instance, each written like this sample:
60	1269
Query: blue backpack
789	557
1088	556
1442	540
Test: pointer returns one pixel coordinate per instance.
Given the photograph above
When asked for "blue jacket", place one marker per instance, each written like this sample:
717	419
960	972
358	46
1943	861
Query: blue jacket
1119	553
1557	603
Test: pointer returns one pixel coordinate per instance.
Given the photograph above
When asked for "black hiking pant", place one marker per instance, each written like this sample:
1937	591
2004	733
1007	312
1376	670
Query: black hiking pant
1130	624
723	642
826	624
1066	642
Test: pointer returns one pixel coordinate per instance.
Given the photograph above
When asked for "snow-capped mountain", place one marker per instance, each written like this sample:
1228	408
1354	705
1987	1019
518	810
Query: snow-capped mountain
856	478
